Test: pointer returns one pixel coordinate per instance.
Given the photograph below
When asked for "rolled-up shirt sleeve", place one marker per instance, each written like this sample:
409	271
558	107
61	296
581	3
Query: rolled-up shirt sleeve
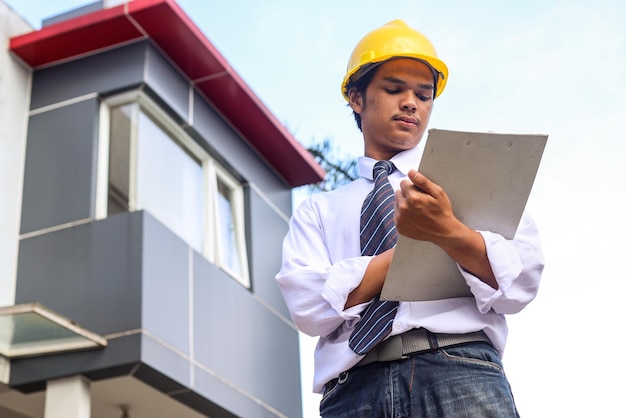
517	265
314	288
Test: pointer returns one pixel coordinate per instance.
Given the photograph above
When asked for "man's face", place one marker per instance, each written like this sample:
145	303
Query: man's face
396	107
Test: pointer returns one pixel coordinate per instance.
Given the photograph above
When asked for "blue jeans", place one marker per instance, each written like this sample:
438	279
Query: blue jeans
461	381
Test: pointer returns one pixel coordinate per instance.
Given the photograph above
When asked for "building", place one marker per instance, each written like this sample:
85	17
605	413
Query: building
144	194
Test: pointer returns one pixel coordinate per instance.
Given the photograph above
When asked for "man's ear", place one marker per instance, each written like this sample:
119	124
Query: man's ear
355	100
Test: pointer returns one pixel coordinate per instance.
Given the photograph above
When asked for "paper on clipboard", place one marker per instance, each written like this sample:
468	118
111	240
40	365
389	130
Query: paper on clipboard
488	178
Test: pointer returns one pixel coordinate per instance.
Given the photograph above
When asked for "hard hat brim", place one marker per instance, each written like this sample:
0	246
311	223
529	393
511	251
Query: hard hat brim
438	67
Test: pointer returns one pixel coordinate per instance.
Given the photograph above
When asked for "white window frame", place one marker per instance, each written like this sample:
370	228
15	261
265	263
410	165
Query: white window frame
213	171
216	172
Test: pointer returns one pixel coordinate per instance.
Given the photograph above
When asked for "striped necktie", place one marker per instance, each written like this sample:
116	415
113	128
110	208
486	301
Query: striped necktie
378	234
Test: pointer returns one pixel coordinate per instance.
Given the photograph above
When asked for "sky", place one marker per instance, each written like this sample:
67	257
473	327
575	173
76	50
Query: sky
534	67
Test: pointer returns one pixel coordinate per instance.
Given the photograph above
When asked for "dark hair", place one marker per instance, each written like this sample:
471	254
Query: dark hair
360	84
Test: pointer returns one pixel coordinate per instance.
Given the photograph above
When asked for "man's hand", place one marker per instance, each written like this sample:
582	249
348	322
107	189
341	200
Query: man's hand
423	212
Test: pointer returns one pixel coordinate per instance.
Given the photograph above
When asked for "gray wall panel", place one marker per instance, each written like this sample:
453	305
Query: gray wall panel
108	71
60	171
168	362
266	239
232	340
210	387
165	284
167	83
31	373
90	273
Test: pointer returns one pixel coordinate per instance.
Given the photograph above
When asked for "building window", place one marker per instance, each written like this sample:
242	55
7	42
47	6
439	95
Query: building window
231	237
154	165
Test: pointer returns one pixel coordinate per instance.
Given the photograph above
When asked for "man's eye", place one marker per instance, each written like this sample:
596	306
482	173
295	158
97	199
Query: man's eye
423	97
392	91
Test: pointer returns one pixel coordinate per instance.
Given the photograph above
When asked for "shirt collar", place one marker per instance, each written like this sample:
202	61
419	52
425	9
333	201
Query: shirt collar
404	161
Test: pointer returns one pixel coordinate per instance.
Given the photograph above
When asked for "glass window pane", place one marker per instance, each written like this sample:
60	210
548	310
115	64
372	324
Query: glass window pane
230	254
119	158
31	329
169	182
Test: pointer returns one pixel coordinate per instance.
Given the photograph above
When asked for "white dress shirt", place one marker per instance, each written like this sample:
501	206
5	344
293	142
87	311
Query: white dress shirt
322	265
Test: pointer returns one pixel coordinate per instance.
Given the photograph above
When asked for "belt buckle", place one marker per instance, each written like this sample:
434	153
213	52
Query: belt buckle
391	349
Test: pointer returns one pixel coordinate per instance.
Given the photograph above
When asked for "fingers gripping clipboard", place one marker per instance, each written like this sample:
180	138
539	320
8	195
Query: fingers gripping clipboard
488	178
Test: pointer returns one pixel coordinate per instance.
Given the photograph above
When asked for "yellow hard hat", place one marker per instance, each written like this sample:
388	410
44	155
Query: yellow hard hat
393	40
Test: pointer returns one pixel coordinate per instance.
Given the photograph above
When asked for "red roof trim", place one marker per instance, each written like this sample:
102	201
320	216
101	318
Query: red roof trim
174	32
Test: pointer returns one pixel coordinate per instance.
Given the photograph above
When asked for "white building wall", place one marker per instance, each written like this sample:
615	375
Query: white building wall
15	82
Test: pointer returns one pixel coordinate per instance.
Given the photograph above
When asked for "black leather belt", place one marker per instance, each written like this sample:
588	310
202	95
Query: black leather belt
417	341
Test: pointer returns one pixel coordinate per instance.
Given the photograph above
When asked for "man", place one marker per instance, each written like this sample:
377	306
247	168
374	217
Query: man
436	358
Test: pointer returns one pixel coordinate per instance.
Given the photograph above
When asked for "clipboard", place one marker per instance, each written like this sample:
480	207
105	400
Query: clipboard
488	178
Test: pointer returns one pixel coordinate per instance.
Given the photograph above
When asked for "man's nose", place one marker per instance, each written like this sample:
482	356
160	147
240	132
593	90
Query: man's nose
409	101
